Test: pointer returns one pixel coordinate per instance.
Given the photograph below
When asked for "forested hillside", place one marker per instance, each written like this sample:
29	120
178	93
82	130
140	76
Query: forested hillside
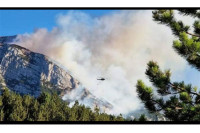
47	107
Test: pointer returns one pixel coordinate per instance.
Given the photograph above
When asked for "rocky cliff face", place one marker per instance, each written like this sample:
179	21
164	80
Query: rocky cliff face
26	72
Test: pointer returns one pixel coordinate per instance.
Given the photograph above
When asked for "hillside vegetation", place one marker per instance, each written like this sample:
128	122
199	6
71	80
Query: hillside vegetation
47	107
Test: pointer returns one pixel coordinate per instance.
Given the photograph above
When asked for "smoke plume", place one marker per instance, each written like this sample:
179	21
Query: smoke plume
116	46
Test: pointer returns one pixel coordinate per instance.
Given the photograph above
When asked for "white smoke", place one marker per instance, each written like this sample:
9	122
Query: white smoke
116	46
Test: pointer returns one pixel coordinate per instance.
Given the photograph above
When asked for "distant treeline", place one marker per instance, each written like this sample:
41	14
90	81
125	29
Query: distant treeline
47	107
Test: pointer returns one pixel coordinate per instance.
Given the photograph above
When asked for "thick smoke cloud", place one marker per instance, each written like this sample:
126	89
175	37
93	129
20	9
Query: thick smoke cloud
116	46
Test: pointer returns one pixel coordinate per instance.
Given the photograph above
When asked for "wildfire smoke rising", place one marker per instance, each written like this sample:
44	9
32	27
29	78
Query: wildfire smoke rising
116	46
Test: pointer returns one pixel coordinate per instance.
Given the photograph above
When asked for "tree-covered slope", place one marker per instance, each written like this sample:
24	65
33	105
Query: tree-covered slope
46	107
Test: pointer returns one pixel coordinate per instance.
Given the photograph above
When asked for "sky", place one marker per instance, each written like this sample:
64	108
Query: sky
93	43
14	22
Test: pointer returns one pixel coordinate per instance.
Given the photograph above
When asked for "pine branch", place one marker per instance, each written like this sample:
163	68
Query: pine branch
182	90
192	34
161	106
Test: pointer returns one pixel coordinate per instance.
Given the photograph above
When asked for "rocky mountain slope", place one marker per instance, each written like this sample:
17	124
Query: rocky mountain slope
26	72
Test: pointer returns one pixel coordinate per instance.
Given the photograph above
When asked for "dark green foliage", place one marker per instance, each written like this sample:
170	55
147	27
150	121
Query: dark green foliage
175	100
47	107
141	118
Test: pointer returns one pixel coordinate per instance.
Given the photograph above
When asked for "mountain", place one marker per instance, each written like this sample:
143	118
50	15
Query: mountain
27	72
7	39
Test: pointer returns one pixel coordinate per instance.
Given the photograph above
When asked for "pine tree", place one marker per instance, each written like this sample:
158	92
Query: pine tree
176	101
26	104
120	118
141	118
1	109
33	110
18	113
74	112
44	109
7	100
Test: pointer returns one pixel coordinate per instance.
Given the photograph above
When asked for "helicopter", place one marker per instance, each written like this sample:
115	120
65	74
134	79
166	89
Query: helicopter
102	79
